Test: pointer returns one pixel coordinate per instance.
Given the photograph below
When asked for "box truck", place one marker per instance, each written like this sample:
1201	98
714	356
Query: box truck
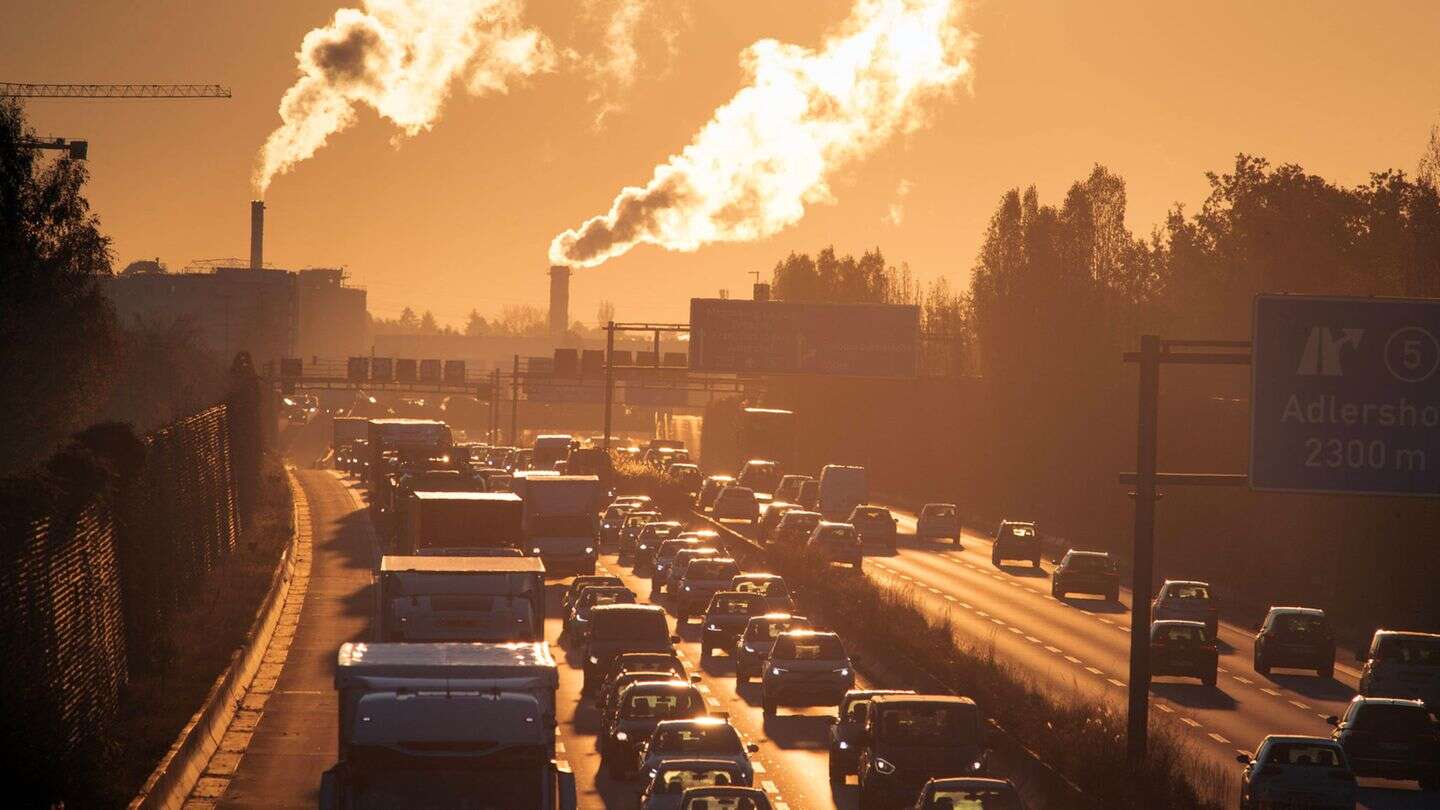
446	598
562	523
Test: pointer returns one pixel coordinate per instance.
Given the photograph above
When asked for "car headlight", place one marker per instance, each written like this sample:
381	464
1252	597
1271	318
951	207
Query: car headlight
776	671
977	765
535	550
643	546
621	736
843	672
749	649
688	588
591	549
844	746
712	628
884	766
594	660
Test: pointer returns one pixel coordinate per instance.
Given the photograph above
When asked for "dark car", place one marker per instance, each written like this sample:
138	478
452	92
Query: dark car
640	662
1297	771
607	697
971	793
1183	648
765	529
630	528
754	644
849	726
725	798
1390	738
1016	540
702	579
616	629
665	557
1086	572
806	668
910	739
648	541
582	582
672	779
835	542
611	521
795	527
1295	637
1402	664
710	490
682	561
1189	600
577	624
789	489
875	525
809	495
636	713
726	617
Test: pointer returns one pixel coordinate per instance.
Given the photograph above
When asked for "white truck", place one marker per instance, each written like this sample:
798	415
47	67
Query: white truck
842	489
458	520
562	522
550	448
447	725
461	598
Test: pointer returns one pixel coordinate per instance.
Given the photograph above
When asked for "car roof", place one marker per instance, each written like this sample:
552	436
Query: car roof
758	575
631	609
802	513
720	478
778	616
1170	582
1298	738
971	781
938	503
1017	522
1306	611
1388	701
673	684
854	694
594	579
808	632
696	763
736	489
824	524
722	791
1084	553
886	700
693	721
720	559
1406	634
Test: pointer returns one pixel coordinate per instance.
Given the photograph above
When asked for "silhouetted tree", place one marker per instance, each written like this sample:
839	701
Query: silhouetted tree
407	321
605	313
475	325
428	326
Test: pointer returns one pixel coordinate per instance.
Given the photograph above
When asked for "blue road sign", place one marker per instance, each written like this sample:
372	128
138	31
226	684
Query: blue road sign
1345	396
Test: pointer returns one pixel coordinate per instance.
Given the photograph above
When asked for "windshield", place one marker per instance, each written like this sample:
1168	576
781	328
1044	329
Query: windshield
654	662
1300	625
796	520
736	606
939	511
1089	562
1020	530
718	738
1189	591
931	726
416	583
977	798
761	477
1420	651
659	706
767	630
837	533
628	625
712	569
670	548
1325	756
764	587
872	513
809	648
1394	721
678	781
1180	633
595	597
658	530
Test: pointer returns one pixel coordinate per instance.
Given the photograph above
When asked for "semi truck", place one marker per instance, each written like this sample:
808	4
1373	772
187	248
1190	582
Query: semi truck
453	598
562	524
409	441
447	725
550	448
459	520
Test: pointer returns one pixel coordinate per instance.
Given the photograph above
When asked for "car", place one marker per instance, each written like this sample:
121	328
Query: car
938	521
789	488
755	642
795	527
736	503
1016	540
676	777
846	732
806	668
699	737
607	697
627	663
636	712
577	623
974	793
765	529
1295	637
771	586
710	490
1296	771
1183	648
725	798
809	498
1189	600
682	560
1086	572
836	542
700	580
1402	664
616	629
665	557
761	476
1390	738
648	540
611	521
689	477
641	502
634	522
726	618
842	488
910	739
582	582
875	525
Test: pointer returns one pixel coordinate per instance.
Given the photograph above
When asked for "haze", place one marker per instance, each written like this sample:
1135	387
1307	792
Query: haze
461	216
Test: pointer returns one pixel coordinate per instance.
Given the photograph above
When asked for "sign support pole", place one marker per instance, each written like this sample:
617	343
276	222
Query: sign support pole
609	379
515	404
1137	731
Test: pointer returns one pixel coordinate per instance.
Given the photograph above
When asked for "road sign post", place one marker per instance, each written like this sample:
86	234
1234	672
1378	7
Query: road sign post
1346	395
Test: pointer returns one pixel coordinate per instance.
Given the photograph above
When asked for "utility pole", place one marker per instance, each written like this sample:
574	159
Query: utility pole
1137	731
494	406
515	404
609	379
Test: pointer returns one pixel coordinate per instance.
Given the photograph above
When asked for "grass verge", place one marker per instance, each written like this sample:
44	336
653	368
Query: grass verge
203	637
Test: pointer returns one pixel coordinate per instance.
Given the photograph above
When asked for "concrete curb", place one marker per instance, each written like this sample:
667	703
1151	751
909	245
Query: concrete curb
170	784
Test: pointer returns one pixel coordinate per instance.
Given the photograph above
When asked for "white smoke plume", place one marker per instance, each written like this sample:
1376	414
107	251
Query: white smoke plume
400	57
768	152
615	65
896	214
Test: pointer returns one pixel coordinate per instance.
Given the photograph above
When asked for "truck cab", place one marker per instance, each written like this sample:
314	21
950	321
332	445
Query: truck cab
447	725
441	598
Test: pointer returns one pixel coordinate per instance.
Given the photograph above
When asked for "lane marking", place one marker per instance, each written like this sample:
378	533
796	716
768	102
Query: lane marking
1162	707
982	614
1191	723
1055	650
1241	680
967	606
1217	738
1270	692
770	787
1297	704
998	621
1017	631
1120	684
1072	659
1032	639
1094	671
949	598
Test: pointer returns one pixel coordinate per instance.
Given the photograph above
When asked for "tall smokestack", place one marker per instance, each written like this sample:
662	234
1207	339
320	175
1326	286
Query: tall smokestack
559	300
257	234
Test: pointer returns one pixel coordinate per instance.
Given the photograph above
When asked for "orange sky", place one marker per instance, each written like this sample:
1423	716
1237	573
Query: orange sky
461	216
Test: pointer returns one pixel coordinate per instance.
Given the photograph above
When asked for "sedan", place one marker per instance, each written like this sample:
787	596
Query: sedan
1183	648
726	618
875	525
703	737
806	668
938	521
1188	600
1294	771
667	789
1086	572
973	793
1390	738
754	645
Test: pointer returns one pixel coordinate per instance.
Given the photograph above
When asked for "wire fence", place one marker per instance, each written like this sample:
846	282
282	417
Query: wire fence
96	555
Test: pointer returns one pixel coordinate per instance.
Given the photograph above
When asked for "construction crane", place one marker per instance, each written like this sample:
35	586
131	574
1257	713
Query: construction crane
19	90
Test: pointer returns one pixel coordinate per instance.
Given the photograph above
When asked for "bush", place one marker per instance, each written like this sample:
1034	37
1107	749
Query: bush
634	477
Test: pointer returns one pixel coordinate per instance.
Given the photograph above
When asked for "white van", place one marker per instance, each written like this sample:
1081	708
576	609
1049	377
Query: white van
842	489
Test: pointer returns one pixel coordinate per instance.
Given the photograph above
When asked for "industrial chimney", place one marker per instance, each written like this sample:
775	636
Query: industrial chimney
559	300
257	234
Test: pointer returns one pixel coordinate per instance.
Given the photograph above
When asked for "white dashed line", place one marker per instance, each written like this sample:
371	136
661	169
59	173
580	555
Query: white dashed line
967	606
758	767
770	787
949	598
1217	738
1240	679
1270	692
1114	682
1055	650
1017	631
1191	723
982	614
1103	620
998	621
1032	639
1297	704
1072	659
1162	707
1093	670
